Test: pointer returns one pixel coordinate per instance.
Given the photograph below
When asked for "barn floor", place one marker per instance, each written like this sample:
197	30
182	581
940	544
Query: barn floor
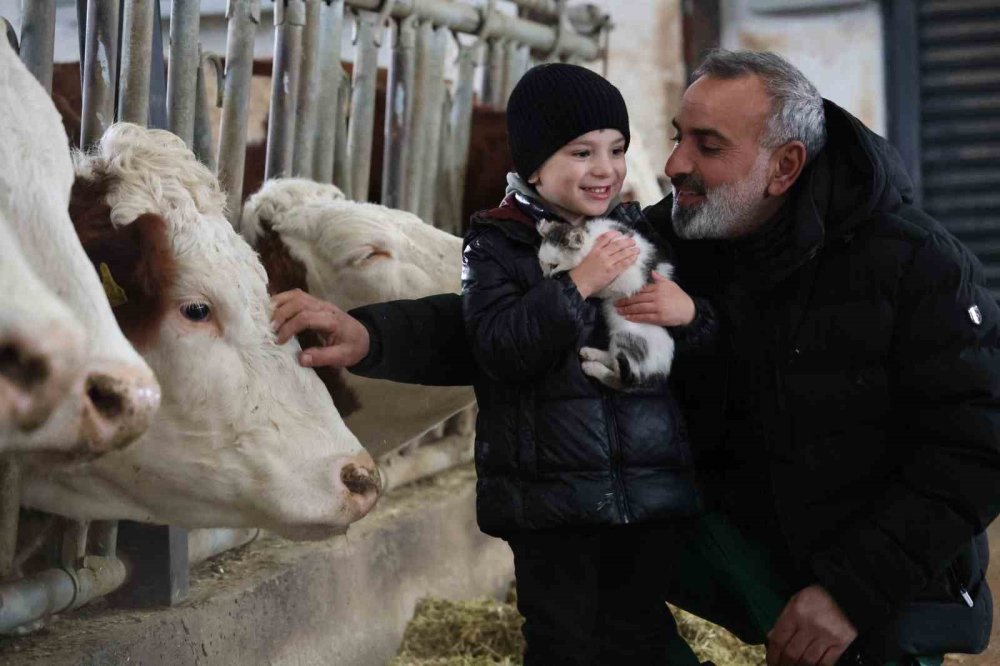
342	601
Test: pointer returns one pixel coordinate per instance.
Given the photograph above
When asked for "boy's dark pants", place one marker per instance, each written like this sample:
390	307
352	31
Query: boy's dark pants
594	596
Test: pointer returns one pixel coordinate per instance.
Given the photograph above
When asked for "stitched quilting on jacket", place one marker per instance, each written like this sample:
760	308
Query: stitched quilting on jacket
555	448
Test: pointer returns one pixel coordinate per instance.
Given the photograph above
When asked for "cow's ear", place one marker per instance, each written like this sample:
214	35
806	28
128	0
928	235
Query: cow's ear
284	272
134	262
575	238
136	266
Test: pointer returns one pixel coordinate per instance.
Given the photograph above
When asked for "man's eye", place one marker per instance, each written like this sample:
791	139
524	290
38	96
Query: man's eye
711	150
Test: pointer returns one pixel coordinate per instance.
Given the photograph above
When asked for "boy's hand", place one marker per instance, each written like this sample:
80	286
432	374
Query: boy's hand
345	339
662	302
612	253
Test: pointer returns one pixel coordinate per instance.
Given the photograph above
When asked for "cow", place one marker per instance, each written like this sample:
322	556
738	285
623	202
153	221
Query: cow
245	437
115	396
42	345
311	238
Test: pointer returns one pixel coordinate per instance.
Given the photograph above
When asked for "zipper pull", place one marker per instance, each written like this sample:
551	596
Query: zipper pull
966	596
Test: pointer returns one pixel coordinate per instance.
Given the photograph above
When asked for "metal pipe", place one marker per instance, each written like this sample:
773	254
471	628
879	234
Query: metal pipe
74	541
10	506
289	22
243	16
510	73
398	112
202	144
342	160
461	129
331	73
38	39
137	43
419	118
363	83
493	85
206	543
460	17
426	460
306	110
183	74
57	590
441	214
432	128
103	538
99	70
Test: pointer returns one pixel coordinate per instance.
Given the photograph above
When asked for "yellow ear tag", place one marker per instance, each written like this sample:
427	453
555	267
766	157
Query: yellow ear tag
116	295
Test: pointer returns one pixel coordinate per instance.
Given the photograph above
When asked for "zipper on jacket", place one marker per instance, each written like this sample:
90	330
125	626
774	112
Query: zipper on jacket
615	447
957	580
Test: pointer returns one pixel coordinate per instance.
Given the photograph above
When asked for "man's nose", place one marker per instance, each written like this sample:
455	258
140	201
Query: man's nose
677	163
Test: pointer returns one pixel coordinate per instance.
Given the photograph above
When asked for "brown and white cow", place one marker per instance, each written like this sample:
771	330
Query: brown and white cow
113	399
350	253
42	345
245	436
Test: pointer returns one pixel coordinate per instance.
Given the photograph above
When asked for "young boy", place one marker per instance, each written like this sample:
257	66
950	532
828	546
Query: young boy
570	473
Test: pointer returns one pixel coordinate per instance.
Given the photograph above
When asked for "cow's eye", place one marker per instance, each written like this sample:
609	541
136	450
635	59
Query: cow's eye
196	311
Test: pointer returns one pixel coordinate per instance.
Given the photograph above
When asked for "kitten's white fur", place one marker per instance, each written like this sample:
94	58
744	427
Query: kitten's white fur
563	248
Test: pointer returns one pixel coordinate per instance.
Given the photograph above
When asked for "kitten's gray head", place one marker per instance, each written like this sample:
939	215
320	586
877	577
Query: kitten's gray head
561	248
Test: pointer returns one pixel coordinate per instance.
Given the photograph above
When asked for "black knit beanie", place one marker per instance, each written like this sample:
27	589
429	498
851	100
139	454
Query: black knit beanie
553	104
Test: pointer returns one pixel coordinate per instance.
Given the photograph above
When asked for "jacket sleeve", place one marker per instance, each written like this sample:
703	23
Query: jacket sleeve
417	342
516	334
944	382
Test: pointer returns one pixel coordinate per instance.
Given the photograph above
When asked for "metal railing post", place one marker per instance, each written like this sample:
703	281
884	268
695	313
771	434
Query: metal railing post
398	114
99	70
38	39
185	61
306	111
363	83
431	128
137	44
289	22
243	16
331	76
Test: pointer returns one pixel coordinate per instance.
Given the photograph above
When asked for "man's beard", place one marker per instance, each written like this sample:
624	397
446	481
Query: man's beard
728	211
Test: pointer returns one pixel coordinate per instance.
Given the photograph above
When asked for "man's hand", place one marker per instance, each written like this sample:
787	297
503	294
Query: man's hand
345	339
662	302
811	631
612	253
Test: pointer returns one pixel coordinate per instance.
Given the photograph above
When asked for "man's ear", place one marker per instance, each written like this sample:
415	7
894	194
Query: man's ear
575	238
787	163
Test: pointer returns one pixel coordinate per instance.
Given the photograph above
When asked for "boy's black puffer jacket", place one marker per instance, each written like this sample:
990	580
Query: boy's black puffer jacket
555	448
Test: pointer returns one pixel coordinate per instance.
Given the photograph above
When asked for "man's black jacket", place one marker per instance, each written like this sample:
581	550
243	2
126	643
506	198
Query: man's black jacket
879	412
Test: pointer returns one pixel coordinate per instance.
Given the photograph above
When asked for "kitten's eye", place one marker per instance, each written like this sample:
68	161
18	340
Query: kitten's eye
553	267
198	312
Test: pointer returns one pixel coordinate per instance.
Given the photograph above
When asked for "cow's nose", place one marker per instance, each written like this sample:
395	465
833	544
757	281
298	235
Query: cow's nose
37	371
361	479
120	403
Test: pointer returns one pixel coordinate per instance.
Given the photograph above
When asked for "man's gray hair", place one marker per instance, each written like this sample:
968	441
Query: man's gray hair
796	105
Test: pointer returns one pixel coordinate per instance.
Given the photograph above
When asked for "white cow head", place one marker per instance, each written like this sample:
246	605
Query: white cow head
114	398
354	254
42	346
245	436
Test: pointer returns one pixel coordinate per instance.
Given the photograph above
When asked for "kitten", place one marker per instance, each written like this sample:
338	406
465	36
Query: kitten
638	354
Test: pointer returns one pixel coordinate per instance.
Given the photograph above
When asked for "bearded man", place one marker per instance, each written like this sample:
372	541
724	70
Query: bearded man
846	424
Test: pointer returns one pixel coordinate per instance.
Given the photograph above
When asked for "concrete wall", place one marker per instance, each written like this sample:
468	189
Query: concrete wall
838	49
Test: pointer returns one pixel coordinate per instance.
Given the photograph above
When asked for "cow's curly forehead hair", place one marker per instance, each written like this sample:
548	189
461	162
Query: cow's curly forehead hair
150	168
796	105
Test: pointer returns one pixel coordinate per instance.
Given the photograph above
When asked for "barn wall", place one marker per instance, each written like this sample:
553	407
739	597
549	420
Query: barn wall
838	48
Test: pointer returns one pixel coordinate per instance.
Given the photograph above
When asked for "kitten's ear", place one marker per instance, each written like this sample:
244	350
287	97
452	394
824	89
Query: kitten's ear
545	227
575	238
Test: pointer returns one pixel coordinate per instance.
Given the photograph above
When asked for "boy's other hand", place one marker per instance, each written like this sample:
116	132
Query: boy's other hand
661	302
612	253
812	630
345	339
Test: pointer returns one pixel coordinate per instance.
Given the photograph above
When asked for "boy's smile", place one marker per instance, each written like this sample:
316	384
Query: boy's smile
582	178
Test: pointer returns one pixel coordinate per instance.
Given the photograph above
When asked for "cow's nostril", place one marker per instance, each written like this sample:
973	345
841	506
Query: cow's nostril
22	368
107	400
358	480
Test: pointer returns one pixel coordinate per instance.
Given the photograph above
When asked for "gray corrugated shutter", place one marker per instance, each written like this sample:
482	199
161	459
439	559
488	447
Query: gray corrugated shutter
959	47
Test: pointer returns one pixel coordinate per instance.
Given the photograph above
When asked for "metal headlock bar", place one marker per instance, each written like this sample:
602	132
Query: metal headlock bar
38	39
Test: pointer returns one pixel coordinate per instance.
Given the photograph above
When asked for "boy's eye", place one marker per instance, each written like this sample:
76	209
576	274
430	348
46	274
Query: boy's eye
581	153
676	137
618	151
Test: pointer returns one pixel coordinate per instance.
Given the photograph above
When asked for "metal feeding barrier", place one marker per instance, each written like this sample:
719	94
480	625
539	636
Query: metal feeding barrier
321	126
